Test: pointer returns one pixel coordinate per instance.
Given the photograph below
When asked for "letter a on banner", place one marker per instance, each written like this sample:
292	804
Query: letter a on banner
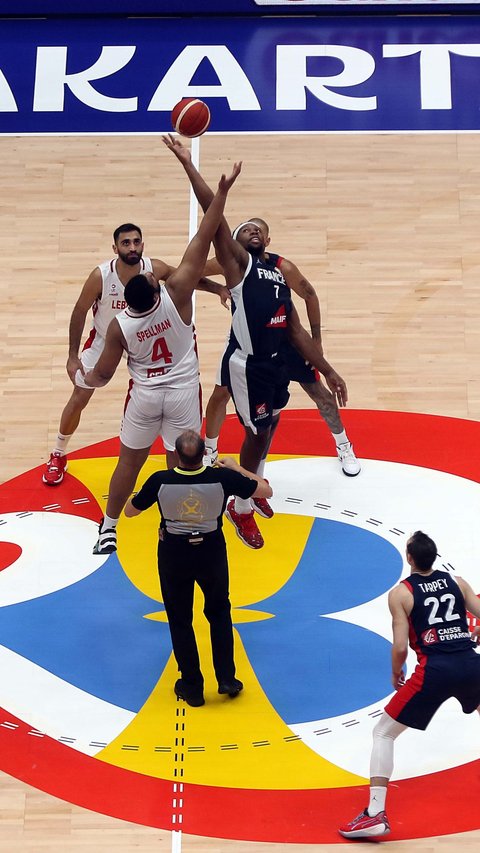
234	84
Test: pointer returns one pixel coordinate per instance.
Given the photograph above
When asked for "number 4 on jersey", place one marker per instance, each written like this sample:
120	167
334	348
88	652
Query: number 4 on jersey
161	352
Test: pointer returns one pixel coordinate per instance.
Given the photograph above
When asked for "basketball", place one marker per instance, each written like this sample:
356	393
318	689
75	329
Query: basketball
190	117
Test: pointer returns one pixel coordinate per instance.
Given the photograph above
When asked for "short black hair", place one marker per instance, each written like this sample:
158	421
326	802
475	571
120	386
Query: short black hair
190	447
422	550
123	229
139	293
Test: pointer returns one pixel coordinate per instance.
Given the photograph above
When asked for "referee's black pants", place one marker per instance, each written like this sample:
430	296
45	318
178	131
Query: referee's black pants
180	565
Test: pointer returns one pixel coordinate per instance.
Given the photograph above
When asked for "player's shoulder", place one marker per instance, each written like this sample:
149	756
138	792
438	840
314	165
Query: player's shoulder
161	269
400	593
107	266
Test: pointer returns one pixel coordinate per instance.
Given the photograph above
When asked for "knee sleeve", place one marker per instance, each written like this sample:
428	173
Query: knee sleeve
384	735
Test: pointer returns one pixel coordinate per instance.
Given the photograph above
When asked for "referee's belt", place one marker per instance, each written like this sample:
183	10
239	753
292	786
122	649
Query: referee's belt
193	538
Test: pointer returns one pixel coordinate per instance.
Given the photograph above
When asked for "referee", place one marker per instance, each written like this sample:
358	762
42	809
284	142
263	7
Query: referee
191	499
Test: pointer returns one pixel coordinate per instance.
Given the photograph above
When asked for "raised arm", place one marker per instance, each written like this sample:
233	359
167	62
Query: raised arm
303	342
109	359
182	282
232	257
91	290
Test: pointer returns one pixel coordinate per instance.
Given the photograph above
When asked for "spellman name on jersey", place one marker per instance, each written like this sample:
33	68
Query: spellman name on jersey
153	331
279	320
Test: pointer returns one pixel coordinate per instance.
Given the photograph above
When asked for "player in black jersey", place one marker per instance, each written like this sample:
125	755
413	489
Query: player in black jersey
429	613
297	371
263	319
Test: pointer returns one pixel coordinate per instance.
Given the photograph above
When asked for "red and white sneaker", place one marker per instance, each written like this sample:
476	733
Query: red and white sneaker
263	508
55	469
245	526
364	826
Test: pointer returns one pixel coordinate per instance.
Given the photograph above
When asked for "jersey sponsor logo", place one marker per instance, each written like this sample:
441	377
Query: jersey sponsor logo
454	633
261	411
279	320
113	289
155	330
156	371
429	637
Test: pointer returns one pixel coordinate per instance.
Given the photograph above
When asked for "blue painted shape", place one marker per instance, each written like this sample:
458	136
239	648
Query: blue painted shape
311	666
93	634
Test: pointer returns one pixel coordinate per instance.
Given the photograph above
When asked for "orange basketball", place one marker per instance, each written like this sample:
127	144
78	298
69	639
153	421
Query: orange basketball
190	117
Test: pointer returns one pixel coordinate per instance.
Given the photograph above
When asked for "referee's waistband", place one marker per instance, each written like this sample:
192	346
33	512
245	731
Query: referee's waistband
193	538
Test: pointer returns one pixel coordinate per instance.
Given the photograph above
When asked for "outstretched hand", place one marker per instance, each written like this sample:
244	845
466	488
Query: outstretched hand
181	152
225	182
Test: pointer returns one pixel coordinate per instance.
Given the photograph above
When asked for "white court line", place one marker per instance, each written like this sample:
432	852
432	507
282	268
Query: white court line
177	841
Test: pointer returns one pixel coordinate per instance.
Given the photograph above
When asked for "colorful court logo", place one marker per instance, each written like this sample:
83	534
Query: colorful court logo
87	675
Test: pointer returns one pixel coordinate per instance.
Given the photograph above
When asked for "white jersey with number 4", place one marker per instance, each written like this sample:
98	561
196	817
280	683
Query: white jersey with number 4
161	347
111	300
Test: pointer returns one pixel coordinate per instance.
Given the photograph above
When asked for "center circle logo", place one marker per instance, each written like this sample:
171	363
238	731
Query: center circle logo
88	674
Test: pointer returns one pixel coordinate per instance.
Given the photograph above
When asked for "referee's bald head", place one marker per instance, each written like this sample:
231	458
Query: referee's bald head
190	448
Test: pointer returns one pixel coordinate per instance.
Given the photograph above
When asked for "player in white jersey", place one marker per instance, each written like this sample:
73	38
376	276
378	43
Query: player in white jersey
103	292
157	333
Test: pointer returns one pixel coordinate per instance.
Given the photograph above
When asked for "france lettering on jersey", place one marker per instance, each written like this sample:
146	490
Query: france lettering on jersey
111	301
161	347
261	304
438	621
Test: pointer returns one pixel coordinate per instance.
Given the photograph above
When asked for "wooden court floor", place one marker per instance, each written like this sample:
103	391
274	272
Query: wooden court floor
385	226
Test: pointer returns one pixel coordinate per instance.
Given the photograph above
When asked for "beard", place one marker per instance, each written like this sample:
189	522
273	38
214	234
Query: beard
130	258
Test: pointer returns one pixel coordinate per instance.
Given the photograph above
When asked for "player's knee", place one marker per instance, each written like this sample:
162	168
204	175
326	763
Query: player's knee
387	728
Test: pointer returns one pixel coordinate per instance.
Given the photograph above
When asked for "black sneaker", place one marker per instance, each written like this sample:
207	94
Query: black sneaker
107	540
191	697
232	688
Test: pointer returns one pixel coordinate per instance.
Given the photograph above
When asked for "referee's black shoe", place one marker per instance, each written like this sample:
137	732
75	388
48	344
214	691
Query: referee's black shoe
191	697
232	688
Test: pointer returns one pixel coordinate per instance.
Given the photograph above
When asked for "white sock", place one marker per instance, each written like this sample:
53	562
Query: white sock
261	467
108	523
61	443
378	797
242	506
211	444
340	438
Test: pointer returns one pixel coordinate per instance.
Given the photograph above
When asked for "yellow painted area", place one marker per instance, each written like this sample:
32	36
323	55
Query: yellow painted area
240	743
232	743
254	575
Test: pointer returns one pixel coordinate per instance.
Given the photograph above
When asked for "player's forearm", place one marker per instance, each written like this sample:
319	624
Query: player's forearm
200	187
313	314
213	215
310	352
208	286
399	656
75	331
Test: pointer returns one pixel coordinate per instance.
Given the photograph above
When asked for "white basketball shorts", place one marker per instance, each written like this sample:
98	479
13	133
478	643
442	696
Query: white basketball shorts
150	412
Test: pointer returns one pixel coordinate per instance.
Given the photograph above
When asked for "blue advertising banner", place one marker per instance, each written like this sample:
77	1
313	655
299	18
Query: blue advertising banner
268	75
41	8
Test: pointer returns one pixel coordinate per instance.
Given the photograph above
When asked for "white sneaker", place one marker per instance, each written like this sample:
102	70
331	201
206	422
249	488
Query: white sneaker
210	459
349	462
